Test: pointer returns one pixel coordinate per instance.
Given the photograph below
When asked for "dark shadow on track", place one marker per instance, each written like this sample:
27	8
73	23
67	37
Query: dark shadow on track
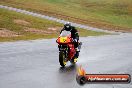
67	75
71	68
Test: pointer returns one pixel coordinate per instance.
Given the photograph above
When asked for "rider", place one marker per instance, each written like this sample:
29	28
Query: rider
74	34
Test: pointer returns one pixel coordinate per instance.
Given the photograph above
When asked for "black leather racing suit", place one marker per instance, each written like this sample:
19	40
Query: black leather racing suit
74	34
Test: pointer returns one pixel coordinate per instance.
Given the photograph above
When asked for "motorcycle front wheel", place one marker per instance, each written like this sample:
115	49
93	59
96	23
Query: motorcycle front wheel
62	58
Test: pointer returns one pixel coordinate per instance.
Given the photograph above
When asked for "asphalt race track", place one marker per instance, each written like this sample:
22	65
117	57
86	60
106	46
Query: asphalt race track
34	64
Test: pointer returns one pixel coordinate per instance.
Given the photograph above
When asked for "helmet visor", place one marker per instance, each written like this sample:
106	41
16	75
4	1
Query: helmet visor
67	26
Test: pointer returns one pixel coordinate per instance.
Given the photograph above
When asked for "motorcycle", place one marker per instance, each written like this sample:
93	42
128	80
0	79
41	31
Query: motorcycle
67	51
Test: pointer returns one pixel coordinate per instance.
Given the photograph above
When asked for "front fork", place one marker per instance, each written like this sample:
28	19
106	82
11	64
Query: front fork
65	51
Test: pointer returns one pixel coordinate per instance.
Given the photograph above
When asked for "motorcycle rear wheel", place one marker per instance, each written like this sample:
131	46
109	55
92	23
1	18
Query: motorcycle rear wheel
73	60
62	59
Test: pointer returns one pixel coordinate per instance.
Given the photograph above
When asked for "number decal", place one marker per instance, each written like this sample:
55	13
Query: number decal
63	39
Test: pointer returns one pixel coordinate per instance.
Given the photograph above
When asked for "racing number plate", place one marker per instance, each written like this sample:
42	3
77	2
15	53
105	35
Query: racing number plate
63	39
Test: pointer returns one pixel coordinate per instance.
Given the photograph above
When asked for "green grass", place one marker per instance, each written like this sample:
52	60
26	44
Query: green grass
7	21
98	13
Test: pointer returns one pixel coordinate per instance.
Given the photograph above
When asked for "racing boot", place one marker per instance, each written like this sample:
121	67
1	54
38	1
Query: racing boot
75	59
76	55
77	51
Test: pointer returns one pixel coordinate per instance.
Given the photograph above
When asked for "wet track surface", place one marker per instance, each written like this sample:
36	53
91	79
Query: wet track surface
34	64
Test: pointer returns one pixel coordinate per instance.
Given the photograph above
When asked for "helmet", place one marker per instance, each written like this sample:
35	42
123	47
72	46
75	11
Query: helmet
67	26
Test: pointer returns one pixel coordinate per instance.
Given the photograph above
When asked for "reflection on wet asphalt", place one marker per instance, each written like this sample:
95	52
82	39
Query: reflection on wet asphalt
34	64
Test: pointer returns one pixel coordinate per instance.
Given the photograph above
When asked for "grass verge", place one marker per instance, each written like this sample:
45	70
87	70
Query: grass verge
16	26
106	14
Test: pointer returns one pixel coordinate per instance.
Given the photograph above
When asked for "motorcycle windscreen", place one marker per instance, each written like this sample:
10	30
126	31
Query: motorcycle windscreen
65	33
64	36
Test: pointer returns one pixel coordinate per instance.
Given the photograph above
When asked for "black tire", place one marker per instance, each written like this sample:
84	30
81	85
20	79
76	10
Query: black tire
62	59
75	57
72	60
